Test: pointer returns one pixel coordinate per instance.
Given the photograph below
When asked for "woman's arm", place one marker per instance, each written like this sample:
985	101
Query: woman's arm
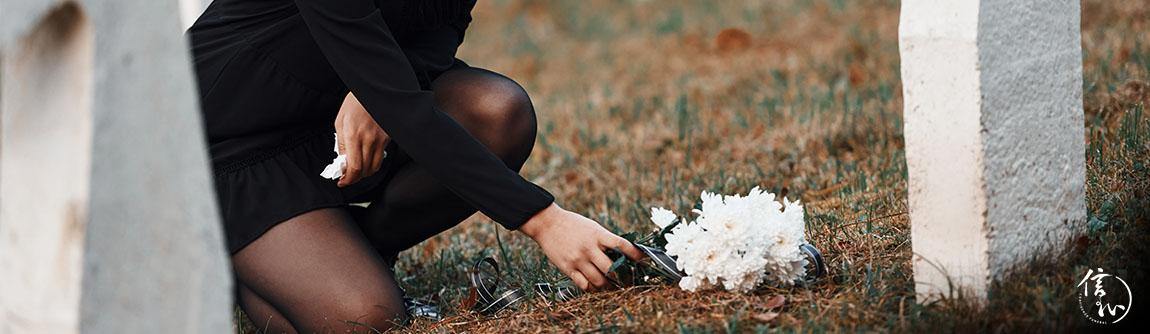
358	45
356	42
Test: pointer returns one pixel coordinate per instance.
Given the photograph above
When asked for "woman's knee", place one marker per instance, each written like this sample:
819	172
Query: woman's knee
494	108
378	312
501	102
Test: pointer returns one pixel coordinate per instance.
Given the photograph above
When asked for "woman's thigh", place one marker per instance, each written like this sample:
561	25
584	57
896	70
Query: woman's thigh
319	271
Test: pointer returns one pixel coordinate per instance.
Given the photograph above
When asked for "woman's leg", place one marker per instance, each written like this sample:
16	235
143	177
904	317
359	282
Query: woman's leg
262	314
414	206
317	270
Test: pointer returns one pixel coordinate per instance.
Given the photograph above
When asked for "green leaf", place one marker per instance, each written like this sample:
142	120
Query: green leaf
618	262
659	240
1107	210
1095	225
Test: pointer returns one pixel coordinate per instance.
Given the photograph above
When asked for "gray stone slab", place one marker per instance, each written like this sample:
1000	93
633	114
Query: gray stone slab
151	256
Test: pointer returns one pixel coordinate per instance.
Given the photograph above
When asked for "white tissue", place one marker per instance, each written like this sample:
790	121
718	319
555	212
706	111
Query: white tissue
334	170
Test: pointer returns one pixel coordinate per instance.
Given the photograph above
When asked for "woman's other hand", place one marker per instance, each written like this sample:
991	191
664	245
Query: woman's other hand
361	139
575	245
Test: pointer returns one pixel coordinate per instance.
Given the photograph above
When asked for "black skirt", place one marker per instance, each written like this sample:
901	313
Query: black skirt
270	96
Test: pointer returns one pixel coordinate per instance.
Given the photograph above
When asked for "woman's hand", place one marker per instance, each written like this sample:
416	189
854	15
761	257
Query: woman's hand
575	245
361	139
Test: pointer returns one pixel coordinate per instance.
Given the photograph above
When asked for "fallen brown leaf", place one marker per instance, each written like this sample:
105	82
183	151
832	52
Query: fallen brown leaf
775	302
766	317
472	298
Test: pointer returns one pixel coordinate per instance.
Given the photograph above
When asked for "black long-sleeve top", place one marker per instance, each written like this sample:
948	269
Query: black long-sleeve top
334	46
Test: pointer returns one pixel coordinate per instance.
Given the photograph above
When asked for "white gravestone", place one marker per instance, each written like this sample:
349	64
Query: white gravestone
108	222
994	136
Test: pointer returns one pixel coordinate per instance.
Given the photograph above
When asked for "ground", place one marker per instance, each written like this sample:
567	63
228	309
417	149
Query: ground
646	103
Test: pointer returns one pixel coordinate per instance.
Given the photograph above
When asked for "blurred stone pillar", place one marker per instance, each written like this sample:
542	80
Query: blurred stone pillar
190	10
108	222
994	137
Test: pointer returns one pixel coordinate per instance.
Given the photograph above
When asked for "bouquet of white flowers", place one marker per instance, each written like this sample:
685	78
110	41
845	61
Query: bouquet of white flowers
738	242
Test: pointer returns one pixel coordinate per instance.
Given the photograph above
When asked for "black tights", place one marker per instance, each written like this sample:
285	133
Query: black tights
321	270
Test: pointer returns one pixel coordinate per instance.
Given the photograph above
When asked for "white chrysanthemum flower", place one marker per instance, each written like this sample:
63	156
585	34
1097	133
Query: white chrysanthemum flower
737	241
689	283
662	217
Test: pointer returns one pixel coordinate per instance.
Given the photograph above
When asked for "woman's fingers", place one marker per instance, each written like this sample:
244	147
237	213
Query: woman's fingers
371	156
351	173
624	246
579	280
341	140
364	156
593	275
377	158
601	261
